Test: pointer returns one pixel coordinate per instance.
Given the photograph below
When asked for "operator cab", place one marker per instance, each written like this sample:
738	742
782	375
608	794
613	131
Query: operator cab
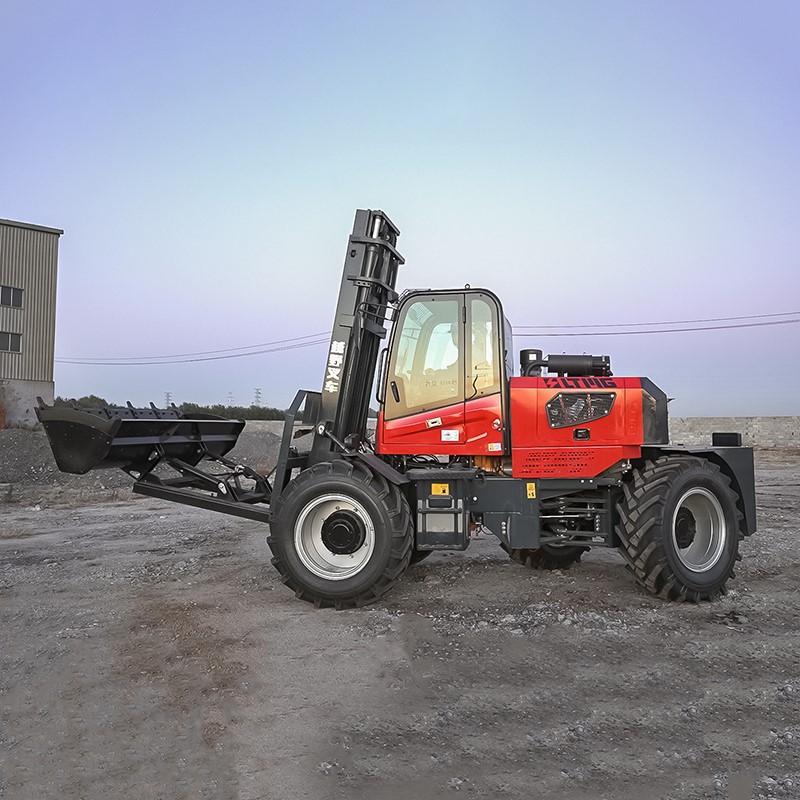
448	368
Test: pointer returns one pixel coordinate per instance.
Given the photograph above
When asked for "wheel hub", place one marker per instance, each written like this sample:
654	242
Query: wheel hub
343	533
685	528
699	529
334	536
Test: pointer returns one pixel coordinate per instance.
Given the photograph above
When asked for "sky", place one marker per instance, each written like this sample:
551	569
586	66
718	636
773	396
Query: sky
594	164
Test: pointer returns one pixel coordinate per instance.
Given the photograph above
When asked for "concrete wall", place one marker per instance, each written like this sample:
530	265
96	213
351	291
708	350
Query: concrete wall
756	431
18	400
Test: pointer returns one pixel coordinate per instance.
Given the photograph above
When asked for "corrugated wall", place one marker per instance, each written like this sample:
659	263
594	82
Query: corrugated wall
29	261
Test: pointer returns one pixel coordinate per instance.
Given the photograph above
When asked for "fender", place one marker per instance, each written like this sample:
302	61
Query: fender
736	464
380	467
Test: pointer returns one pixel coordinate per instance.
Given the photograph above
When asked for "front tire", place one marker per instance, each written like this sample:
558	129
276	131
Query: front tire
679	525
340	535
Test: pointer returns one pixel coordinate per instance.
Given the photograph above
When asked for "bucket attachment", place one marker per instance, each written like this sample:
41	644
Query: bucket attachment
133	438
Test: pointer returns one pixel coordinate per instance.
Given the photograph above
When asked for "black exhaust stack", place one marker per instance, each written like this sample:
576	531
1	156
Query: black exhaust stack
532	363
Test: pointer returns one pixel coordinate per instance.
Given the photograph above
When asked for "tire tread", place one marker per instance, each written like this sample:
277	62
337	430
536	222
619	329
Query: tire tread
539	558
640	515
397	510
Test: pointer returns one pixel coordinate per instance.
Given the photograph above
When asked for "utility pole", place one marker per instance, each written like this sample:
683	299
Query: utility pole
167	399
257	399
230	399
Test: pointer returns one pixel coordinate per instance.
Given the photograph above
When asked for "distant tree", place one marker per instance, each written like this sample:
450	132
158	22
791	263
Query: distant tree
89	401
233	412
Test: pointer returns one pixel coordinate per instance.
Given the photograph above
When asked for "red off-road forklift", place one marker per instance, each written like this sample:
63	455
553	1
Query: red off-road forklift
562	458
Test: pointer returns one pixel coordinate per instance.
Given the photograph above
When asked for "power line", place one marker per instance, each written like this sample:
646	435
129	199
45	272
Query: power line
663	330
667	322
313	339
121	363
200	353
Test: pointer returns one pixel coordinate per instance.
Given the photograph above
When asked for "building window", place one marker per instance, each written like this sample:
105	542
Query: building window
10	297
10	342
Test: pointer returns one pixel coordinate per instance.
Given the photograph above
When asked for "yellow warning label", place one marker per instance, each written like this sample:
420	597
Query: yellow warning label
440	488
531	491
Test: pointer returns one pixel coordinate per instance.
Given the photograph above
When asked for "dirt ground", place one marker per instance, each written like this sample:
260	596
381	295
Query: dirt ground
149	651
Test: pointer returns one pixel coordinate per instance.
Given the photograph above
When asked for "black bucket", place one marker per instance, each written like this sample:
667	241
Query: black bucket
132	438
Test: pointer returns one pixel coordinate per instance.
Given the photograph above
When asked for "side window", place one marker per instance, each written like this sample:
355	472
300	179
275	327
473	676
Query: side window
483	370
10	297
10	342
426	370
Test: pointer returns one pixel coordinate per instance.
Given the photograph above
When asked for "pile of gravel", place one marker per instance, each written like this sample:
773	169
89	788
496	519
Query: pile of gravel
258	445
25	459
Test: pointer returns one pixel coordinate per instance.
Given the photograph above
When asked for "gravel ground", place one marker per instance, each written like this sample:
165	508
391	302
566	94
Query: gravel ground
149	651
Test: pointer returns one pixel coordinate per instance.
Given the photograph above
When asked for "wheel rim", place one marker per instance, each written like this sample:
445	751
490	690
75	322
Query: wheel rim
334	537
699	529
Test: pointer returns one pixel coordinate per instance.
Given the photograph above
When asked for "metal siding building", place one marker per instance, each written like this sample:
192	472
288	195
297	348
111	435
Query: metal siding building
28	262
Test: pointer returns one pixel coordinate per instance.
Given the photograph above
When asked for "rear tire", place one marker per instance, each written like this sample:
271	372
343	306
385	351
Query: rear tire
679	525
340	535
547	556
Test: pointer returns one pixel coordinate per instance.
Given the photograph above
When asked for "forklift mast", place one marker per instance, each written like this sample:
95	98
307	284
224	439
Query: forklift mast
369	278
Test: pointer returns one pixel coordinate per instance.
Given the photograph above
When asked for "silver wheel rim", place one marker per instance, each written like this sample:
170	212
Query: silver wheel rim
710	529
311	549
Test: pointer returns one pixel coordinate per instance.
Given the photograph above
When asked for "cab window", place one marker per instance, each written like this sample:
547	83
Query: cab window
426	368
483	374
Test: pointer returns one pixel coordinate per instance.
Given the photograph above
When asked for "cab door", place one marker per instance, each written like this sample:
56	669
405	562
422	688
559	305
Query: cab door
425	377
444	387
485	398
